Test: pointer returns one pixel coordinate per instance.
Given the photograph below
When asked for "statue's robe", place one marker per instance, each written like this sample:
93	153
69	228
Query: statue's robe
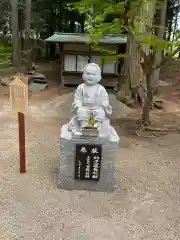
93	99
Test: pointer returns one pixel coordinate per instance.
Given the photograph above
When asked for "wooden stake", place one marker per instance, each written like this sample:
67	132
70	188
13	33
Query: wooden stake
22	153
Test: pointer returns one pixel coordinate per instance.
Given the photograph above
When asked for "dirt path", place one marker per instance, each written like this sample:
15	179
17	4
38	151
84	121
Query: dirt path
144	206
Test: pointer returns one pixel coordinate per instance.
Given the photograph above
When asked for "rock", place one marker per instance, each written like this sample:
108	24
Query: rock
34	67
38	76
159	104
31	72
6	81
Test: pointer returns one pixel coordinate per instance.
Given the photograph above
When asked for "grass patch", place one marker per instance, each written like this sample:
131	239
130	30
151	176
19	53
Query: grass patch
4	65
5	56
8	49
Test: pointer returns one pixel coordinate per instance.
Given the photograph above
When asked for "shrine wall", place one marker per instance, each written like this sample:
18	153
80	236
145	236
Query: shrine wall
85	47
76	56
76	47
74	80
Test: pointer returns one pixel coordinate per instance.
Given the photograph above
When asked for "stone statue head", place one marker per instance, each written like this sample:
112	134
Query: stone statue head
91	74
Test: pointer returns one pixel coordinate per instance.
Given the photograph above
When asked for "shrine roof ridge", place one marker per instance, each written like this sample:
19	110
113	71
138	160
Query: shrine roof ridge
84	38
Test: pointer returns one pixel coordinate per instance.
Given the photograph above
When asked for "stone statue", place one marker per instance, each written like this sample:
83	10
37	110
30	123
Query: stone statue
91	107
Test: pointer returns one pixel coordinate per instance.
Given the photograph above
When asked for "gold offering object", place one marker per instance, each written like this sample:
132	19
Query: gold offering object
90	130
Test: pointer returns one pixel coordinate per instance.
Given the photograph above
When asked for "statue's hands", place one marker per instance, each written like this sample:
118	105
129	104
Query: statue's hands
108	109
105	105
75	105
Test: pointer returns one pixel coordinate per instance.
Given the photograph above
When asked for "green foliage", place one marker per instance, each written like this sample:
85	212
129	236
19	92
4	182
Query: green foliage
51	16
122	17
102	18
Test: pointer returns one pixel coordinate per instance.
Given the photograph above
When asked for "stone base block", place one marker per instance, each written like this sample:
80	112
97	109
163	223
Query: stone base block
107	181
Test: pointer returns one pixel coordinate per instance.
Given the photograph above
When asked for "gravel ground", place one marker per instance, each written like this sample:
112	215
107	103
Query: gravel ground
144	206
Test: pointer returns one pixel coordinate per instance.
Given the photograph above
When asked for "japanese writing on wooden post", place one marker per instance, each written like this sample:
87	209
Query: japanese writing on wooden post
19	101
19	94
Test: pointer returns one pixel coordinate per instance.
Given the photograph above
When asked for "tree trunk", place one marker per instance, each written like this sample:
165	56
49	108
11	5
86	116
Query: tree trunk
175	25
169	30
152	78
82	24
50	32
52	46
15	34
28	46
131	75
169	20
160	35
133	85
72	26
21	32
148	100
52	51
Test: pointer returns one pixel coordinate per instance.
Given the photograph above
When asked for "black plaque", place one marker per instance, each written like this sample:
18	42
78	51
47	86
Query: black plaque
88	162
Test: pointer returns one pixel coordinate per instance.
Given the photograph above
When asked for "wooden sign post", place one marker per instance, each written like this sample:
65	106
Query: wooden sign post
19	103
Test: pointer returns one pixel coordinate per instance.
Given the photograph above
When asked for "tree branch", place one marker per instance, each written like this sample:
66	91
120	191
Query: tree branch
146	57
167	58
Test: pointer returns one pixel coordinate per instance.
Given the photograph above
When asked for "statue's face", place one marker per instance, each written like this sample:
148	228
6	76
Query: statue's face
91	75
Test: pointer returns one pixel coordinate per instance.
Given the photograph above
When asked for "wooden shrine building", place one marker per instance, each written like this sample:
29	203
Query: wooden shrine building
75	53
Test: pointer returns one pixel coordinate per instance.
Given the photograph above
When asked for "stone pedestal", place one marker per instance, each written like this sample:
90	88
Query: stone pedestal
107	181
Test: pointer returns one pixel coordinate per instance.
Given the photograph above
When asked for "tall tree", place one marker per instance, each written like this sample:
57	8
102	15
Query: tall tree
15	34
152	60
160	21
28	47
133	78
55	16
144	43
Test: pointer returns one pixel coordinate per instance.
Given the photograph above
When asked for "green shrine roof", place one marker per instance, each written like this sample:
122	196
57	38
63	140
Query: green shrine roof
83	38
